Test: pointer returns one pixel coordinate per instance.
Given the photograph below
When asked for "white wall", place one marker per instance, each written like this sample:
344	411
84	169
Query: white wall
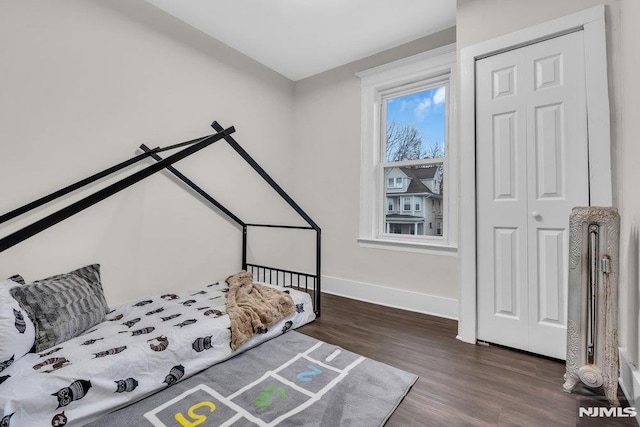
327	158
628	175
82	85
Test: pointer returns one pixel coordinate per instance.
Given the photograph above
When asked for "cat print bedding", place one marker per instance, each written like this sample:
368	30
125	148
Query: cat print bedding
141	348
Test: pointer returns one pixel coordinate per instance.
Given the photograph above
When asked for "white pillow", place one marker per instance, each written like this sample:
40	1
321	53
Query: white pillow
16	329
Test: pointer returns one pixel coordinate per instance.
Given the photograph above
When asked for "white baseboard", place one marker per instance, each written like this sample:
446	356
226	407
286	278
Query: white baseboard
630	381
391	297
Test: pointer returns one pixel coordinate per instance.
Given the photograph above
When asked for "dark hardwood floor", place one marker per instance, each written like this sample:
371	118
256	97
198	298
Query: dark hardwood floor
460	384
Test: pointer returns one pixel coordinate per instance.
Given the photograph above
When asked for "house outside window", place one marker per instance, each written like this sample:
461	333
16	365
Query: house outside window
407	139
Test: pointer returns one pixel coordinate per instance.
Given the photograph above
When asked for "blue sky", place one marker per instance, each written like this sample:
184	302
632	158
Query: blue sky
425	110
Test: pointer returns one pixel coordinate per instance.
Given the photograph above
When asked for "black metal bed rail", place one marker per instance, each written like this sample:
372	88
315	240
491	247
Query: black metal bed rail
82	204
296	279
234	144
261	274
295	227
256	167
91	179
194	186
194	145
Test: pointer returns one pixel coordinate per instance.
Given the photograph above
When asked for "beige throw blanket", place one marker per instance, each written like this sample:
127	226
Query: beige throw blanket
253	307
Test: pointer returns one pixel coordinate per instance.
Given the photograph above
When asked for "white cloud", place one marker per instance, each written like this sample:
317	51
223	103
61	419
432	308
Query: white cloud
421	109
440	96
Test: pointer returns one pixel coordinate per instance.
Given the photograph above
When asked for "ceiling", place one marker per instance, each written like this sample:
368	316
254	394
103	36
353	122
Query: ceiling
300	38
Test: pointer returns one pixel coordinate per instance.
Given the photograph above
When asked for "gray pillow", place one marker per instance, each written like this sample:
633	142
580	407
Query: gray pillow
17	278
63	306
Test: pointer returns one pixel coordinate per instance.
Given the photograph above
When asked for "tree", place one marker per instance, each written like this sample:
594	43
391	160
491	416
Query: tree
434	151
404	142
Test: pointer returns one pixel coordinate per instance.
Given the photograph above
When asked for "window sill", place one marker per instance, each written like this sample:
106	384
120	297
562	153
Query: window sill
430	248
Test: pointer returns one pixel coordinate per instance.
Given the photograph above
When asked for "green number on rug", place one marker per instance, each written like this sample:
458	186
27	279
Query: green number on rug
266	396
197	418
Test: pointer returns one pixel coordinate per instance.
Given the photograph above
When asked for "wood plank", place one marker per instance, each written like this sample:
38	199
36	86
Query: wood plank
460	384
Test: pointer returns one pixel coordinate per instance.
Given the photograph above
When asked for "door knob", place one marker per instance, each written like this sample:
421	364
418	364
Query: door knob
536	215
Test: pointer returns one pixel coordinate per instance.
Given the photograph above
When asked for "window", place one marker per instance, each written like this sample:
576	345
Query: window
407	204
413	122
389	204
407	143
394	182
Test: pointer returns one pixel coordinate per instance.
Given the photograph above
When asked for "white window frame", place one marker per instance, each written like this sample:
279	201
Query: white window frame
394	183
418	70
406	203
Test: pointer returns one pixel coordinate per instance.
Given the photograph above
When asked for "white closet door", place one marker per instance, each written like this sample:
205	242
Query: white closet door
532	168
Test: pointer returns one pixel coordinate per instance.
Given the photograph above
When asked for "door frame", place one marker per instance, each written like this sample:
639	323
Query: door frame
592	22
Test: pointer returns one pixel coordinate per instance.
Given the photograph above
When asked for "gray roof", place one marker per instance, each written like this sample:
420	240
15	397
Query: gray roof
418	174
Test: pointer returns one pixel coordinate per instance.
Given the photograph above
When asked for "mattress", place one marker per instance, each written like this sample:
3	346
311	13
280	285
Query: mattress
142	347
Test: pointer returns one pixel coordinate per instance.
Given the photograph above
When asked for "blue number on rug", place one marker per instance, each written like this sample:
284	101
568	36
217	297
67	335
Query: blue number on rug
306	375
266	396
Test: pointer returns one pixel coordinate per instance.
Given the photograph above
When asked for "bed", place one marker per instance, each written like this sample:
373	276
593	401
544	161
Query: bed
67	358
142	347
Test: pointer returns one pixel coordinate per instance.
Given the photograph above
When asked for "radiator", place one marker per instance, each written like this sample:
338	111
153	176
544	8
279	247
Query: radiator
592	316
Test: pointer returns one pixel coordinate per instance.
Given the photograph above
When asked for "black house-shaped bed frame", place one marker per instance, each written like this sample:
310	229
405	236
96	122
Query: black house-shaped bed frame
310	282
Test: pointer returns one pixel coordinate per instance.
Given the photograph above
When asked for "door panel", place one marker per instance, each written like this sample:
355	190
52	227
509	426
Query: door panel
532	169
550	285
559	118
547	71
504	149
549	151
504	82
502	223
506	256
